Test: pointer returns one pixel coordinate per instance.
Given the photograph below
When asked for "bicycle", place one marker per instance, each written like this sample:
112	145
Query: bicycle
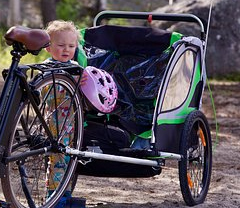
31	99
27	139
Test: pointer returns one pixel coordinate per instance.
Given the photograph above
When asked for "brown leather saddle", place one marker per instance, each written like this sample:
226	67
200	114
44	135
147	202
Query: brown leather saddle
32	39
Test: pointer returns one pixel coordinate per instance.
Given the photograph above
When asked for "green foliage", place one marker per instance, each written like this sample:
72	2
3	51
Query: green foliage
122	22
234	76
6	58
29	58
70	10
82	16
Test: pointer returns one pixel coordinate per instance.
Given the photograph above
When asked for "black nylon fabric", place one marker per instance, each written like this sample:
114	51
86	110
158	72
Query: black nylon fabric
138	78
170	142
110	139
137	89
128	40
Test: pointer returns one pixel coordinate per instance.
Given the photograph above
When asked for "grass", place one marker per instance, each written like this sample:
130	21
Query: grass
6	58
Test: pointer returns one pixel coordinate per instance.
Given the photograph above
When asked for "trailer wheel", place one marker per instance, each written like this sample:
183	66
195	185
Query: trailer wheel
196	164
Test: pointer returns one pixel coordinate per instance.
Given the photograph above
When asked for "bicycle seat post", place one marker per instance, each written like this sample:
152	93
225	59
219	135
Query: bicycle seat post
17	53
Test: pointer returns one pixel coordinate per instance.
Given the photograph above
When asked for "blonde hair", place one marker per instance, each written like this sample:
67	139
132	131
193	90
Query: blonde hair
61	25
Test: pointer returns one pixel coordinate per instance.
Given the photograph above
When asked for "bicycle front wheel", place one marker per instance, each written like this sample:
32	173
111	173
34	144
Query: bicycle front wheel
40	180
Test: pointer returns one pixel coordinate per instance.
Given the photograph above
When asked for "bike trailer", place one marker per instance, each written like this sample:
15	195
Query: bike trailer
160	77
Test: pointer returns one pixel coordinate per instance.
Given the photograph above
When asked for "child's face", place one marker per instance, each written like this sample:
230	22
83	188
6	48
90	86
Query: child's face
63	45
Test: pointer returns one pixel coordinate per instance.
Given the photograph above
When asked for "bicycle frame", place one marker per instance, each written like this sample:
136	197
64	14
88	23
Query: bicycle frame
14	90
15	87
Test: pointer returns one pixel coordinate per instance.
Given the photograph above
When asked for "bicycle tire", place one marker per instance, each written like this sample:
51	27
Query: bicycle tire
28	134
196	164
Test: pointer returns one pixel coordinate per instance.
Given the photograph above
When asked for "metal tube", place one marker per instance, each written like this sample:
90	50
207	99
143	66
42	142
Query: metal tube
137	161
115	158
207	30
144	15
167	155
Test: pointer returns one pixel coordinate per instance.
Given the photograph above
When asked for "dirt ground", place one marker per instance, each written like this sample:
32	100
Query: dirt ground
163	191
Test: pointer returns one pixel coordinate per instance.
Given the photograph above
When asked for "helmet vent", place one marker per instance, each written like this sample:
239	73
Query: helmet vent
94	72
108	79
101	81
110	91
101	98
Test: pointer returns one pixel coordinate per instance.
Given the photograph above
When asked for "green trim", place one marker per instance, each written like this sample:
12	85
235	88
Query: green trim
186	110
171	121
108	117
175	37
81	56
85	124
154	102
82	36
146	134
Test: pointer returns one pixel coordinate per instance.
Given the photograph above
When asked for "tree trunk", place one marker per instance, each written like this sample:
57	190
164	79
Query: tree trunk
48	8
170	2
14	17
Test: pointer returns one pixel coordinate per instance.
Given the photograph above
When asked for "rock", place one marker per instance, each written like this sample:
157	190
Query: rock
223	50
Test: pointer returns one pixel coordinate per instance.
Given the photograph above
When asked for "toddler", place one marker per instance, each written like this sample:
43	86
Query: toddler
64	38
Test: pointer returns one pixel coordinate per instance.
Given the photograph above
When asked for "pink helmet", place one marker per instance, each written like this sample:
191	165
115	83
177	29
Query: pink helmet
100	89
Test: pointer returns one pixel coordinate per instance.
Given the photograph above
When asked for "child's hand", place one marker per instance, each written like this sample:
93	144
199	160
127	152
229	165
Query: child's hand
83	78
